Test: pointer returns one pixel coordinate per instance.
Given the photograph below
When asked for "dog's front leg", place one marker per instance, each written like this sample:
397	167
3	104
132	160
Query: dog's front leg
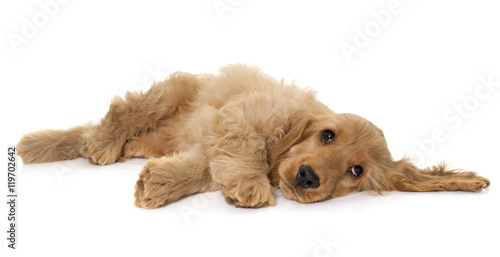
239	164
167	179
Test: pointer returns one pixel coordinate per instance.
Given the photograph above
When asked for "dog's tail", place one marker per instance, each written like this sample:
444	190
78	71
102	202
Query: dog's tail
51	145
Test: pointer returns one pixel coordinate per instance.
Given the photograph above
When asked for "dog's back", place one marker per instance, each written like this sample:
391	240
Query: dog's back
154	123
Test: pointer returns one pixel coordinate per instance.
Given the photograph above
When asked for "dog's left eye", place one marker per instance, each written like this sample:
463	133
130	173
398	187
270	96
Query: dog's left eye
327	136
356	171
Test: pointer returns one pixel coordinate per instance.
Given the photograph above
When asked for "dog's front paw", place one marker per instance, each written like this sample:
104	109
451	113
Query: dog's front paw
101	148
101	154
253	193
151	192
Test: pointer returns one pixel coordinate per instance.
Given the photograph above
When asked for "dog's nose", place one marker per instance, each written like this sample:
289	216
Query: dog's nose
306	177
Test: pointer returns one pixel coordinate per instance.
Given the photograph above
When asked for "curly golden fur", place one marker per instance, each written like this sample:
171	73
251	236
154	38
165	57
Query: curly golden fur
245	133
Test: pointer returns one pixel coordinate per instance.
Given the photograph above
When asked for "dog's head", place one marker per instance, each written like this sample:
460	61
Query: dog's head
339	154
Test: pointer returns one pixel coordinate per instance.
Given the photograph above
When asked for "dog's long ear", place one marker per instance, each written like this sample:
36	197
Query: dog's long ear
292	137
406	177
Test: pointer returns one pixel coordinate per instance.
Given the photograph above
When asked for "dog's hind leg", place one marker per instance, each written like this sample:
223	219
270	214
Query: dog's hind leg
137	114
126	120
51	145
167	179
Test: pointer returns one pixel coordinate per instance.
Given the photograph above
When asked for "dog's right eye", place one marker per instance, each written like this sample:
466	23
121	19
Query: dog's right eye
327	136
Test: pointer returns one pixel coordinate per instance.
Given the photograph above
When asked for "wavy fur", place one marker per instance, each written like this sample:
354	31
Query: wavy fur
245	133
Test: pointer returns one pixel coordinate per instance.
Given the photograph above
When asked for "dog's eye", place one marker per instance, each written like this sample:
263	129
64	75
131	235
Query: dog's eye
356	171
327	136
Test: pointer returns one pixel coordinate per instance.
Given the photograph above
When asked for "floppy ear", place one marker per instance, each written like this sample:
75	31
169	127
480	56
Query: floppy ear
293	136
406	177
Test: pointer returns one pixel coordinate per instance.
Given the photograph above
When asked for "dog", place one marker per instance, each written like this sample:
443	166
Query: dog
246	134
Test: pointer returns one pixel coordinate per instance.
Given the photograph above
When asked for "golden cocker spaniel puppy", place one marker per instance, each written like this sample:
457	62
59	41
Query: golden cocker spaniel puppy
245	133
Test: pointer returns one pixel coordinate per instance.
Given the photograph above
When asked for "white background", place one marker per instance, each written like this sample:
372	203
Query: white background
420	64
